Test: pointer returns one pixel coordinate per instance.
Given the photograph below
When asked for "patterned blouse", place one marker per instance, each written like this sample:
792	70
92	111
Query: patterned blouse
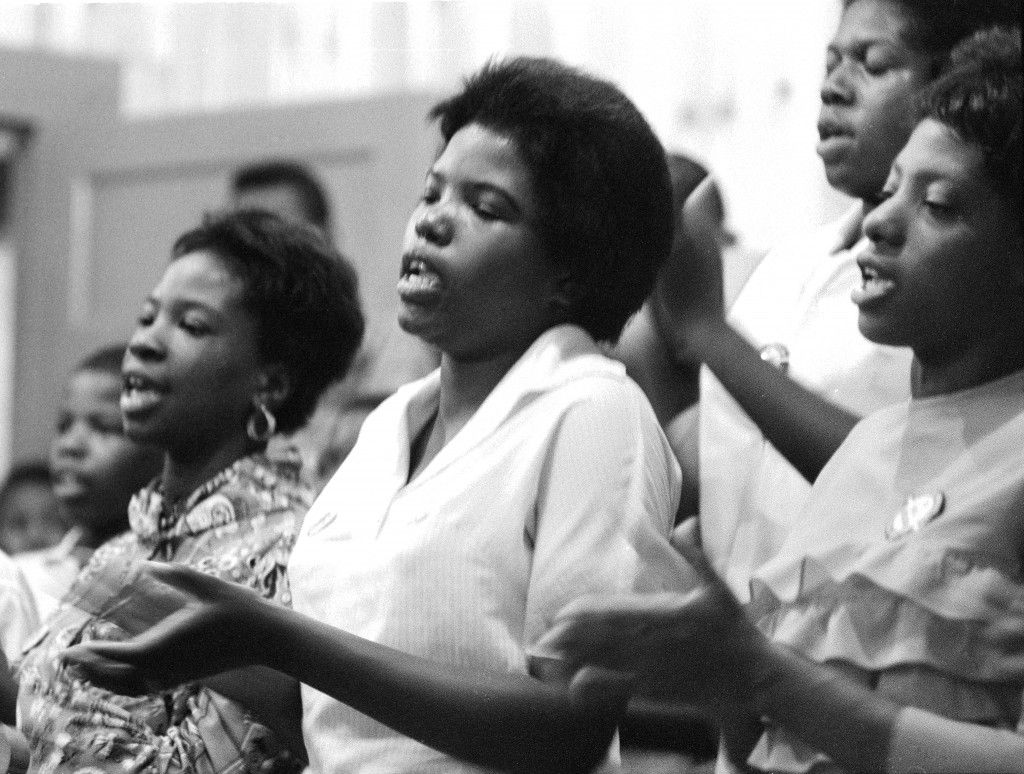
240	526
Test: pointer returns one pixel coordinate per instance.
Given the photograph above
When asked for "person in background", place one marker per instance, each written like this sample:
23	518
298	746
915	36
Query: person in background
527	471
252	319
18	620
886	634
291	189
94	468
788	374
285	186
30	517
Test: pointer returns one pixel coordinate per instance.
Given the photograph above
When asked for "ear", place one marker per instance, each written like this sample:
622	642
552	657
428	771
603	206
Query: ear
275	385
564	296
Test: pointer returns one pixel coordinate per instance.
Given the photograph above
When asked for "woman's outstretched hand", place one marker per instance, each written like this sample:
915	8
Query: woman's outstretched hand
697	647
216	630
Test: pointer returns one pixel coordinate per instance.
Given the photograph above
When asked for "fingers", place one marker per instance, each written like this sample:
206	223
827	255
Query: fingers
106	670
601	692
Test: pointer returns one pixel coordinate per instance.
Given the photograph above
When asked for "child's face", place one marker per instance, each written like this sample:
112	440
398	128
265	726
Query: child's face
943	273
29	518
867	110
475	279
95	467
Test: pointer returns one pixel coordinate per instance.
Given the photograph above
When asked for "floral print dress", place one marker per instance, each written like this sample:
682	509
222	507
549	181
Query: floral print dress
239	526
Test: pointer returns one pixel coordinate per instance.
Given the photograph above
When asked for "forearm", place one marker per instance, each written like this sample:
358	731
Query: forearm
851	724
805	428
509	721
272	698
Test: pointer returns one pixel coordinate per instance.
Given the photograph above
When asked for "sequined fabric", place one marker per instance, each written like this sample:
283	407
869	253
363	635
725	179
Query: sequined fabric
240	526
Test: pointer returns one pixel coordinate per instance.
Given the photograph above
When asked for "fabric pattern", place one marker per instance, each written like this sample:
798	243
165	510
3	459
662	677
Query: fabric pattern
239	526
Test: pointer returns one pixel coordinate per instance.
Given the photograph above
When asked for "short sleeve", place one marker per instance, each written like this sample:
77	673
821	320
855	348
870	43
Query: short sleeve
607	499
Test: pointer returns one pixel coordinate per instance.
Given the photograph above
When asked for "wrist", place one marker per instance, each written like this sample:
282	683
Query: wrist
272	642
767	666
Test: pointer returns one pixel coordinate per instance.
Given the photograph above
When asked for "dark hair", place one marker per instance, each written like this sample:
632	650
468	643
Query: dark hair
598	172
936	26
302	292
27	472
107	359
307	185
980	98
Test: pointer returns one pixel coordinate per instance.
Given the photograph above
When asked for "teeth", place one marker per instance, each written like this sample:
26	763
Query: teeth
873	287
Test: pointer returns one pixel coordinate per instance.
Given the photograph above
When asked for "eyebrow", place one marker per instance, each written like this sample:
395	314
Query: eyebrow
482	186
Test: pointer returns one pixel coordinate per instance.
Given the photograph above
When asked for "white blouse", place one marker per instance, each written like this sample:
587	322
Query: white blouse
561	485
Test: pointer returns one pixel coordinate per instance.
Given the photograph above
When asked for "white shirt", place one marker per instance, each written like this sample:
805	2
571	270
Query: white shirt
798	296
49	572
18	616
562	484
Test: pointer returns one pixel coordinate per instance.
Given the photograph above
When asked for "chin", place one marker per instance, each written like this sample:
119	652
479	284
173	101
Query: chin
877	332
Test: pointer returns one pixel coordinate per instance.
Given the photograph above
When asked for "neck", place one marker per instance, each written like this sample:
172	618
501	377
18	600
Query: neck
465	385
187	470
985	363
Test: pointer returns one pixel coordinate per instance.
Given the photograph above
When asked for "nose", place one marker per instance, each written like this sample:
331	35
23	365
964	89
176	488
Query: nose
434	224
836	88
146	342
884	224
70	441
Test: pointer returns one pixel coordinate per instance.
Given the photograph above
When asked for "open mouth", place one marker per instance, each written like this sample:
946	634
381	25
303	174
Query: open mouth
419	281
829	130
874	285
138	393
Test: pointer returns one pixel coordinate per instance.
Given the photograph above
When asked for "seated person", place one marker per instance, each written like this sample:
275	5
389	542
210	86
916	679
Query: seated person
869	650
252	319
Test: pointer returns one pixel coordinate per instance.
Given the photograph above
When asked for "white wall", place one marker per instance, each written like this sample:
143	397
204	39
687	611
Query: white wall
733	82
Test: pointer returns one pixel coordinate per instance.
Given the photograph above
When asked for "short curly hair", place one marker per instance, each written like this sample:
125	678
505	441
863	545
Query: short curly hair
980	98
934	27
303	294
597	169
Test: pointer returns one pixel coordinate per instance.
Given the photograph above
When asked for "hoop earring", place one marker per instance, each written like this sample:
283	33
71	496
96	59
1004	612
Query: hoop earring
261	416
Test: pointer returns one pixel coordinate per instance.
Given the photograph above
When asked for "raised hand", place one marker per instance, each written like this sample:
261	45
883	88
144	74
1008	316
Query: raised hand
216	629
688	293
698	647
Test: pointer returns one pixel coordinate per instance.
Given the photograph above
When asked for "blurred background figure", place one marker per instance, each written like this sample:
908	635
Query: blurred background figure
291	189
95	469
285	186
30	517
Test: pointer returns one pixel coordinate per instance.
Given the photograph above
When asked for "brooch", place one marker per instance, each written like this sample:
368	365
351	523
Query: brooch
777	355
917	511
